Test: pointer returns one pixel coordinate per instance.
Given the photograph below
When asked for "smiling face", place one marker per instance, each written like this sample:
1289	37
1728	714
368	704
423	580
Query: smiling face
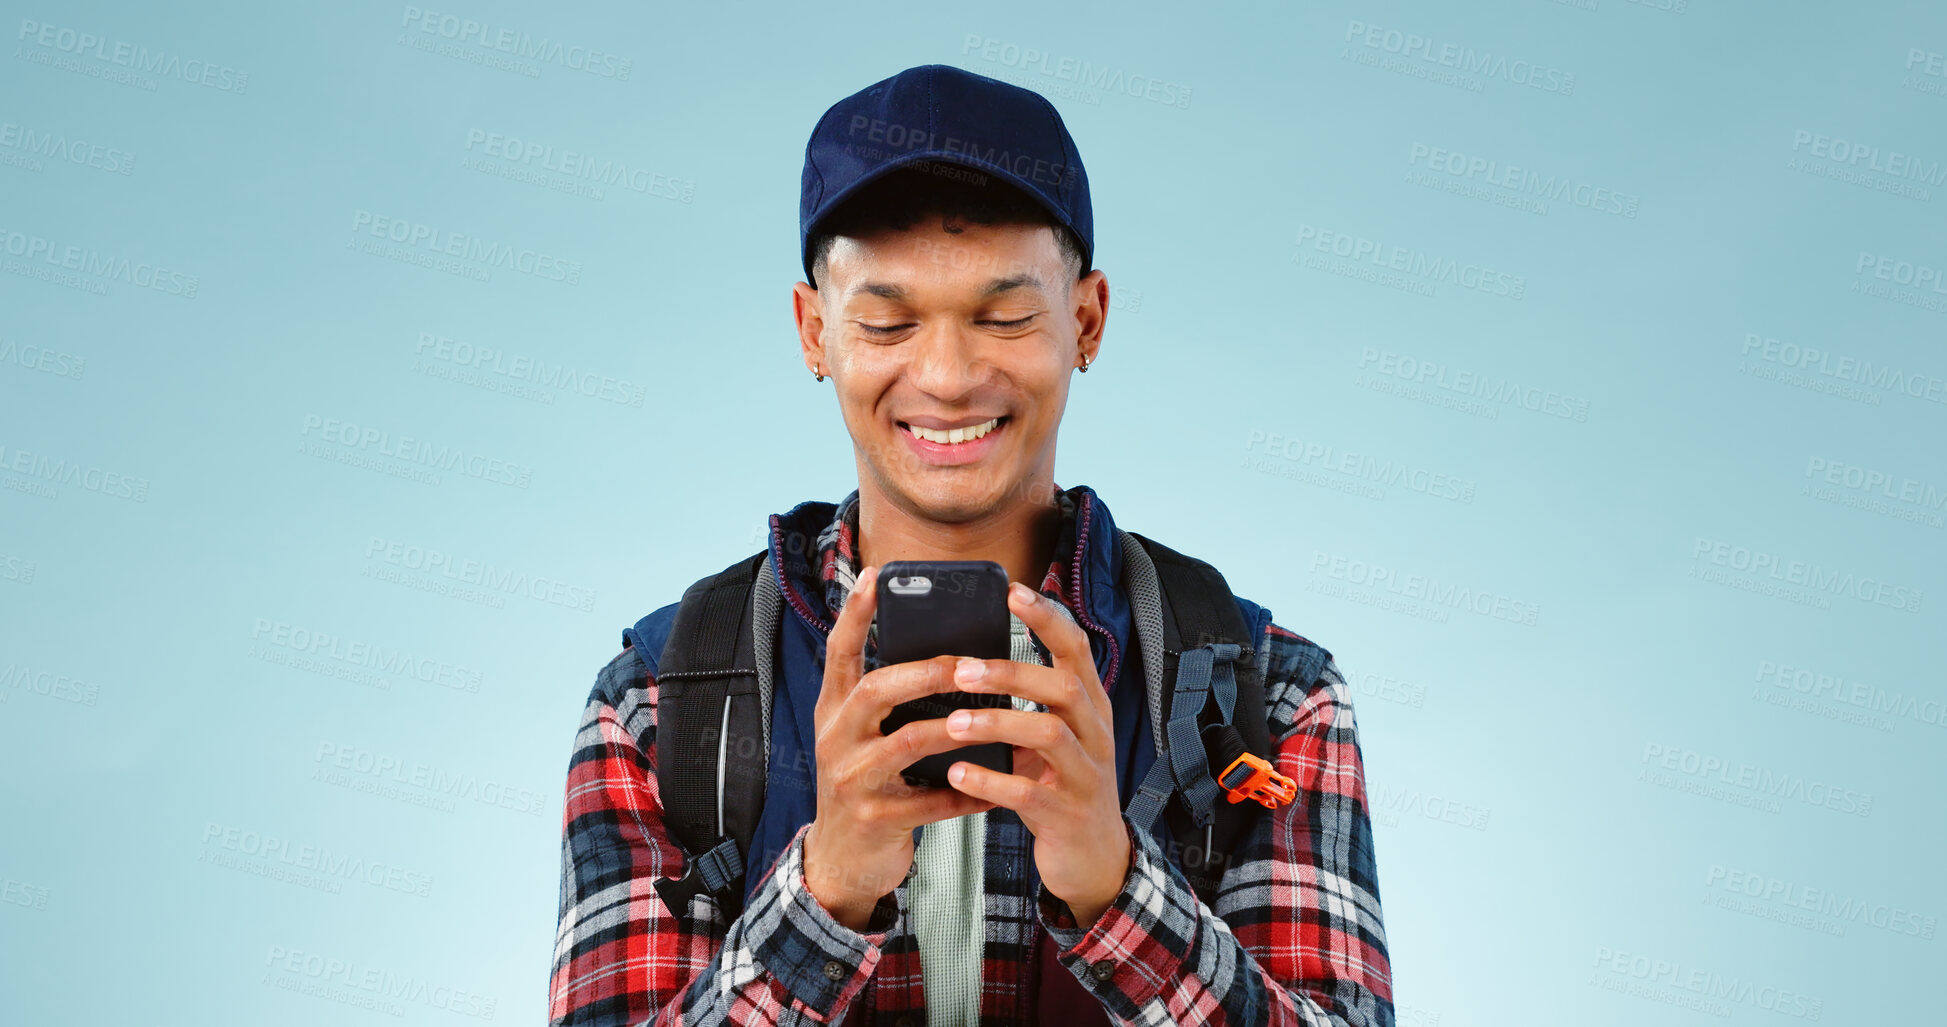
951	343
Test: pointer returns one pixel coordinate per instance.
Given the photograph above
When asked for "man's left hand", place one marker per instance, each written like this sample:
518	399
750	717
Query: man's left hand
1063	786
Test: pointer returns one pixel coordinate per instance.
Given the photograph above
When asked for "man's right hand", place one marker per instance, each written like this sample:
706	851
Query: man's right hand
860	844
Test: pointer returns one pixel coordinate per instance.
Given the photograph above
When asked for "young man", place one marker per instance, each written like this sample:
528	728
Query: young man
947	243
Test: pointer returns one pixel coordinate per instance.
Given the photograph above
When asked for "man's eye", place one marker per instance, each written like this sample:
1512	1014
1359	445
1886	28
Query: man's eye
872	329
1019	322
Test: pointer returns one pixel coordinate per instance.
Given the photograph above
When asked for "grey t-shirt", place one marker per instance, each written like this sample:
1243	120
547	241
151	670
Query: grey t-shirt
948	895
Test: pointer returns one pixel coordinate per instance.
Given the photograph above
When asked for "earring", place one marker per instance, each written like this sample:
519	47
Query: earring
819	373
1084	363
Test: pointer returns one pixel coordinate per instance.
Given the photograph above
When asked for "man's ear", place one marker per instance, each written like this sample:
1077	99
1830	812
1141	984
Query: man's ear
809	310
1091	308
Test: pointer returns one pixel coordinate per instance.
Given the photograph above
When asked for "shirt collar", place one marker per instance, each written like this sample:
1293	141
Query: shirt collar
837	552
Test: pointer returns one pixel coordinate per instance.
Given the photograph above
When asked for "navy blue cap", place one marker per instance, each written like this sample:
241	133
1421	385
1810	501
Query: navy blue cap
943	115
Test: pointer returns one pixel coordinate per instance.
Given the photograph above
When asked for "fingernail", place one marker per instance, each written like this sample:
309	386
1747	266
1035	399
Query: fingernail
968	671
958	721
956	773
1021	592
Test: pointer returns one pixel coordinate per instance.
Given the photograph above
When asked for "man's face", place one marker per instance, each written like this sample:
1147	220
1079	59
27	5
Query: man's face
951	345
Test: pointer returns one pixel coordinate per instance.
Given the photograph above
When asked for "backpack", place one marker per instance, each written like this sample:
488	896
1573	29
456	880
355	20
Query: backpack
714	684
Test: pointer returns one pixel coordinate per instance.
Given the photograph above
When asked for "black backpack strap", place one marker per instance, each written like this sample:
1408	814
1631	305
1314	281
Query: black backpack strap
1206	703
1199	609
712	736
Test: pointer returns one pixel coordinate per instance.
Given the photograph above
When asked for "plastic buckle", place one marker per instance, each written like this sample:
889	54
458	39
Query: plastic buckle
1250	777
677	892
715	873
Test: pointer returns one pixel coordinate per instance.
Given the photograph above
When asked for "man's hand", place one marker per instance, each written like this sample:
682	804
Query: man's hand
860	845
1064	786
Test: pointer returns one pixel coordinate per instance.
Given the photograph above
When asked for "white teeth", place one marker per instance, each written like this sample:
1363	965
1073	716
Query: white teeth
953	436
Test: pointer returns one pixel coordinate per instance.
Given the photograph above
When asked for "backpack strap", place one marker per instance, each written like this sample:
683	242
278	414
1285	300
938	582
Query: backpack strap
1193	636
713	728
1202	611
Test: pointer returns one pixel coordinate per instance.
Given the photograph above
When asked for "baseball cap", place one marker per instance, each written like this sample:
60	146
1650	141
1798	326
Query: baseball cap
936	114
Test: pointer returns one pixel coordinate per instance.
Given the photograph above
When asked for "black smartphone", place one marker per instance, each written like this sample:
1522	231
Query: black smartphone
931	608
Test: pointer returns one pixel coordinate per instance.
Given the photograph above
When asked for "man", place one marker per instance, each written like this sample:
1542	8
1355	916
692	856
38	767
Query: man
947	242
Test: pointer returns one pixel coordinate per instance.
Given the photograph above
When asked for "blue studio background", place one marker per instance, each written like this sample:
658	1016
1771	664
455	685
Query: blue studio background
1574	371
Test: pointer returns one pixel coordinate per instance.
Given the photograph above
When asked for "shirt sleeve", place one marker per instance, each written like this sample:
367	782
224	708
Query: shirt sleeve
621	958
1296	937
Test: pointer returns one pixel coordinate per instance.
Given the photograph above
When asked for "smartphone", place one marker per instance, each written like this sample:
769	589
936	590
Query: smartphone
931	608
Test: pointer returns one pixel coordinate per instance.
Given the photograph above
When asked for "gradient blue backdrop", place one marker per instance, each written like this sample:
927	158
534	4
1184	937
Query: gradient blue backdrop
1628	530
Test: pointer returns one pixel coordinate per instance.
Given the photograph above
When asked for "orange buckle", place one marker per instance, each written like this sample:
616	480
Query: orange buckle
1250	777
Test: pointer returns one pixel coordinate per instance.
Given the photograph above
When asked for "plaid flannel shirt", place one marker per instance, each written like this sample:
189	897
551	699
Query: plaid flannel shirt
1295	937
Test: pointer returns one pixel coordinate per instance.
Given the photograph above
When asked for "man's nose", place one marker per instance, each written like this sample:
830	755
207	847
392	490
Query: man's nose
947	362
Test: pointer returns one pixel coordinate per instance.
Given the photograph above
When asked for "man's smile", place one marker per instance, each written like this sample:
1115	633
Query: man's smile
950	433
948	443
